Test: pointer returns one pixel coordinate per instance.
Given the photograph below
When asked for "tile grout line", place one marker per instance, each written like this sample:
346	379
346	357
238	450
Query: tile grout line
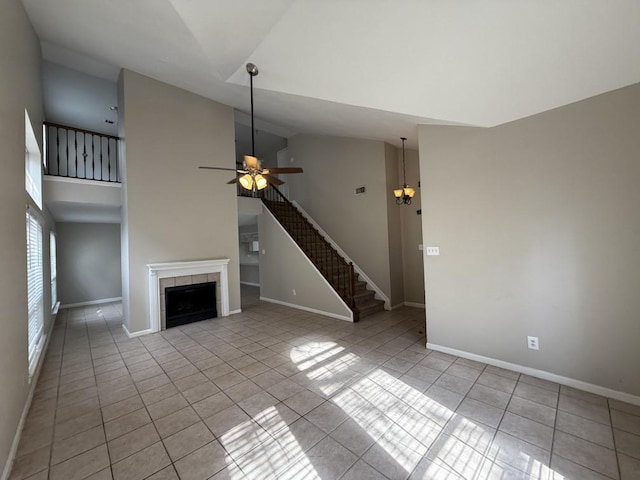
55	413
493	439
441	433
613	436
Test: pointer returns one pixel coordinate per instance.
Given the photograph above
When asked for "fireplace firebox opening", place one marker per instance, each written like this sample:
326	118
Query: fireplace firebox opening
190	303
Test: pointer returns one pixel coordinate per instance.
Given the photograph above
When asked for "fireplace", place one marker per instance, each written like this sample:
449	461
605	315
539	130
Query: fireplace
176	274
190	303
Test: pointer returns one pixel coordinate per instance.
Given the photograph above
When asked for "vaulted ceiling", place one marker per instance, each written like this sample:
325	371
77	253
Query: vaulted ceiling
362	68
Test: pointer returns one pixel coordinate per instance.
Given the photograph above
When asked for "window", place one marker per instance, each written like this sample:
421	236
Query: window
35	282
54	270
32	163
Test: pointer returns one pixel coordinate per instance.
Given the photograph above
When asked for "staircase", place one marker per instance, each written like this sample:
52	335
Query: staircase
333	267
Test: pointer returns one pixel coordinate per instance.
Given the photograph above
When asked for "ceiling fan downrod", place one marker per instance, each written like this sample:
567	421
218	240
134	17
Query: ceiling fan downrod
252	70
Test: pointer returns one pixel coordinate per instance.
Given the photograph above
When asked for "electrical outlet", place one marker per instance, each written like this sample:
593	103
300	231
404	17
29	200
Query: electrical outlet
420	247
294	292
433	250
532	343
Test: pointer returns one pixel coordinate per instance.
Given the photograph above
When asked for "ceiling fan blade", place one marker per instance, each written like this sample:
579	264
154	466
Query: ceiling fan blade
273	180
218	168
232	181
283	170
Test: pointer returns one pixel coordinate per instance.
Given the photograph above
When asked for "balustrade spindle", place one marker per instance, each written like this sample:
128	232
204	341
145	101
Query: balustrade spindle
67	153
57	150
84	154
93	158
75	143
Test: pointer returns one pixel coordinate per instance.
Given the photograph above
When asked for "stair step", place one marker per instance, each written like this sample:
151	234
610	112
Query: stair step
364	297
371	308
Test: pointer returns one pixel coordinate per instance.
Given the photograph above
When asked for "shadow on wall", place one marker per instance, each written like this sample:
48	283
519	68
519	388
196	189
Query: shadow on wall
88	262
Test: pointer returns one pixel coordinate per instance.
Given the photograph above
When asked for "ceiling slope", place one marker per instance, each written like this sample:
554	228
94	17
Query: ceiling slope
365	68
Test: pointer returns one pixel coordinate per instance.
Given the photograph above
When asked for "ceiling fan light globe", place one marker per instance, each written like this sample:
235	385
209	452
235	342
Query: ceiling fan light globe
246	181
261	182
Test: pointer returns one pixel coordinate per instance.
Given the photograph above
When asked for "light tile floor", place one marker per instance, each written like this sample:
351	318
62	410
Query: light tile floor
278	393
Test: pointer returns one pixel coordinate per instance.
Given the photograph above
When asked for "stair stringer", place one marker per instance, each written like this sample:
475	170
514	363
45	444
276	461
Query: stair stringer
379	293
302	261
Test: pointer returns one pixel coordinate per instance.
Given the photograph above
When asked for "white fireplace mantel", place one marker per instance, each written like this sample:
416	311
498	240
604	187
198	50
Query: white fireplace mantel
179	269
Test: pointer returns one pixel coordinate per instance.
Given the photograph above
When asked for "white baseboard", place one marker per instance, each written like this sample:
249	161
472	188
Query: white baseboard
397	306
25	411
414	305
136	334
233	312
250	284
92	302
552	377
308	309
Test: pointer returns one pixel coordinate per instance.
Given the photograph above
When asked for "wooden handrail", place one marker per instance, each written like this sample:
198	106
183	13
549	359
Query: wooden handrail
81	130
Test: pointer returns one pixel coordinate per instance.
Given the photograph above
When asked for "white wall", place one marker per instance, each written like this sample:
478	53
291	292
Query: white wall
88	262
20	89
171	209
539	233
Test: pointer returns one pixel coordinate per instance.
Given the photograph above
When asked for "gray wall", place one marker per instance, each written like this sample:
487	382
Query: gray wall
538	227
333	168
88	262
171	209
394	226
249	261
412	262
20	88
79	100
284	268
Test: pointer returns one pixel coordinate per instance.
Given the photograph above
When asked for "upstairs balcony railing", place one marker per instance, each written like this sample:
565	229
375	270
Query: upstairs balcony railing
76	153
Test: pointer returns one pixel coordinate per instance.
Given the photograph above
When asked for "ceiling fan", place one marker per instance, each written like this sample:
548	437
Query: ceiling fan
252	176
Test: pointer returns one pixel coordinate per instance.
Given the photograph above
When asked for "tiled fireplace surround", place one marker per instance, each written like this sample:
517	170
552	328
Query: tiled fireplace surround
186	280
170	274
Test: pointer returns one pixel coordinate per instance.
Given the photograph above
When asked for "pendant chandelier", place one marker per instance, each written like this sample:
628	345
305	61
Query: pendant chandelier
405	194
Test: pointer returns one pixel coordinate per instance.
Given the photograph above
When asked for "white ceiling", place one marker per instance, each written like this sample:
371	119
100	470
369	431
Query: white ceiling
362	68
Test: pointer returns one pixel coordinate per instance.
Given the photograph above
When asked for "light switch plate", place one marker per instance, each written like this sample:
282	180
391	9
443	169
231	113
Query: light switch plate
420	247
433	250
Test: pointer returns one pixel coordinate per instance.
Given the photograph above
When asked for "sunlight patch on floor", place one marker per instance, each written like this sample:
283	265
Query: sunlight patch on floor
261	455
409	426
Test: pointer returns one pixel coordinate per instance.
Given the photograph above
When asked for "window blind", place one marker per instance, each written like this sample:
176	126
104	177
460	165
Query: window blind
34	288
54	272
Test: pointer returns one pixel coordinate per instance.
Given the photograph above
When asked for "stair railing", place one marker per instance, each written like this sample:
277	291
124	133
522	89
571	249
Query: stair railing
335	269
77	153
